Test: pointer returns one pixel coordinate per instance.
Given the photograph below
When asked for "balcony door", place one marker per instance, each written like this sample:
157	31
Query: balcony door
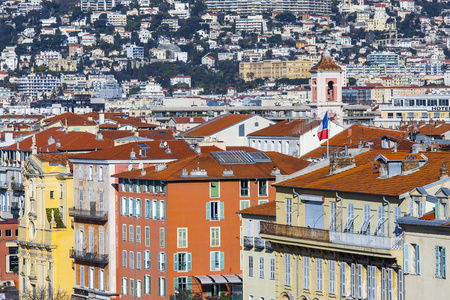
314	212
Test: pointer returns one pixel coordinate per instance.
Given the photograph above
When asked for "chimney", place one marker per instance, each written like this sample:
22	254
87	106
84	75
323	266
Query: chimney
160	167
349	132
339	163
51	140
443	172
101	118
410	163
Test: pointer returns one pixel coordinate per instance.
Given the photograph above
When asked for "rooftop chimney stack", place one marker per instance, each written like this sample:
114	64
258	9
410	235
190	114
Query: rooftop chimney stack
443	172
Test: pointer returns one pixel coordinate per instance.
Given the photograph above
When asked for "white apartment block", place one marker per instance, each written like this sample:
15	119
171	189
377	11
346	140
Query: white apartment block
97	5
251	23
46	56
34	85
180	79
116	19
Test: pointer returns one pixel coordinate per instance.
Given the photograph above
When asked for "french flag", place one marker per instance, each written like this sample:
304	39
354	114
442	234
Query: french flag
322	133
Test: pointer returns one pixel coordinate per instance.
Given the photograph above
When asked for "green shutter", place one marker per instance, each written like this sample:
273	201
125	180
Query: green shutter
175	261
436	210
212	262
189	283
189	261
175	283
406	258
214	186
222	260
222	210
208	211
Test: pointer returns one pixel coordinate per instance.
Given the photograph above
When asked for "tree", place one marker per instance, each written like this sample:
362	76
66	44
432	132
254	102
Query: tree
286	17
42	293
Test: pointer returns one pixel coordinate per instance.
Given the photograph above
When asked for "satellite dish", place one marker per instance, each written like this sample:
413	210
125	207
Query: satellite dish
130	167
141	165
165	143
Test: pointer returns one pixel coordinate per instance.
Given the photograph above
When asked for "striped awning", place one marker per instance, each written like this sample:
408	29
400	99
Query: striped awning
218	278
204	279
232	278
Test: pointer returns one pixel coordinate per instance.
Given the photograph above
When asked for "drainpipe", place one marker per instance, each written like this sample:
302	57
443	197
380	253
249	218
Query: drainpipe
340	198
389	216
297	273
298	206
254	191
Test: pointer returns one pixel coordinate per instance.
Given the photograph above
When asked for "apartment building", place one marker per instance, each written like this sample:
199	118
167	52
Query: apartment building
34	85
62	65
383	58
97	5
251	23
275	69
96	253
9	261
201	247
337	228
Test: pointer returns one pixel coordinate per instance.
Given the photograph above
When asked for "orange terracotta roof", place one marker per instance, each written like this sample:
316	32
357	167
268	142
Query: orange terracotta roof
157	134
428	216
178	149
71	119
215	125
186	120
266	209
242	148
365	177
56	158
286	164
207	149
287	128
434	130
326	63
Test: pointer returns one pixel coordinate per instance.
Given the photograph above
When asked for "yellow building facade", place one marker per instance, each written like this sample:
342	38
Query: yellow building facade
45	228
275	69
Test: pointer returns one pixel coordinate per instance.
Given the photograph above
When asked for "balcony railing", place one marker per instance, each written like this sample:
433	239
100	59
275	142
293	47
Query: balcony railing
259	243
368	241
248	241
295	232
3	185
16	186
88	214
89	257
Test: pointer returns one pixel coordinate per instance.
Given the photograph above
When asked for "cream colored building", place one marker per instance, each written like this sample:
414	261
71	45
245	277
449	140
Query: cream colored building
62	65
275	69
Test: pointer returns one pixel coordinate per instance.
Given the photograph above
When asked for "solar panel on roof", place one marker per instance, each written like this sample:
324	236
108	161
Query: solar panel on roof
232	157
259	157
143	146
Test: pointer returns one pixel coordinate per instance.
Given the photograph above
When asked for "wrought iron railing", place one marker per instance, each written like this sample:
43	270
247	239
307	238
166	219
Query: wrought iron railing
295	231
98	215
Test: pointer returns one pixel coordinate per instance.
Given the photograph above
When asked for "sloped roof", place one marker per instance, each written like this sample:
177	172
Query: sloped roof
187	120
205	161
71	119
266	209
326	63
178	149
56	158
364	178
215	125
287	128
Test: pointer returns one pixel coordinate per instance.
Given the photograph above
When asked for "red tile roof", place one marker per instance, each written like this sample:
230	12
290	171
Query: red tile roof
120	119
70	119
286	164
266	209
365	177
215	125
56	158
186	120
287	128
178	149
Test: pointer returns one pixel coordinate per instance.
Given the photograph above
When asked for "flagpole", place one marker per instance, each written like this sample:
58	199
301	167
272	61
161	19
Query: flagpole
328	137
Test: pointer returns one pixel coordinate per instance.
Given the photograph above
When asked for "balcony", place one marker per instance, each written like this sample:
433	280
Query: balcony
89	257
87	214
259	243
16	186
368	241
295	232
248	241
3	185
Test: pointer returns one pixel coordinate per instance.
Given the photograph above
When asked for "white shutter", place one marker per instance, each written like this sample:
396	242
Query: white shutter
306	272
332	277
287	264
91	241
250	228
101	237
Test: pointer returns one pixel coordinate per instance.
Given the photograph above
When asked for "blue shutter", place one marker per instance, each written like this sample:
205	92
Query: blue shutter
411	208
420	208
159	261
222	211
436	210
128	207
211	260
208	211
437	261
417	260
175	261
175	283
189	261
443	262
189	283
406	258
222	260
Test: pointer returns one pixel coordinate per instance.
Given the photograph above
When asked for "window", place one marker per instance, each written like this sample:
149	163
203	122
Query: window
162	210
147	260
131	260
138	260
161	237
214	188
365	229
243	204
372	282
289	211
182	240
440	262
215	236
379	230
131	237
343	278
244	188
124	286
262	187
272	268
162	286
250	266
147	236
415	259
138	234
161	261
262	201
155	210
139	289
80	173
383	284
182	261
124	210
100	173
138	208
215	210
8	232
261	267
52	194
131	287
319	274
100	201
101	280
147	284
332	277
333	216
350	218
91	278
82	276
360	283
124	258
306	272
400	285
148	209
287	269
90	173
124	232
101	241
217	260
131	207
352	281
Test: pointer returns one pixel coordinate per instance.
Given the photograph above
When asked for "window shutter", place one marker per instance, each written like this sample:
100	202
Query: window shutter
400	285
417	260
383	284
222	260
406	258
436	210
159	261
360	281
222	211
333	216
189	261
208	210
175	283
343	278
443	262
353	281
437	261
189	283
332	277
369	282
212	260
411	208
374	282
159	286
420	208
175	261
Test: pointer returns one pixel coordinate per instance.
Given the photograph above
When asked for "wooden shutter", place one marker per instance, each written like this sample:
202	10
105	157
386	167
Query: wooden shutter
417	260
406	258
175	261
222	260
189	261
208	210
222	210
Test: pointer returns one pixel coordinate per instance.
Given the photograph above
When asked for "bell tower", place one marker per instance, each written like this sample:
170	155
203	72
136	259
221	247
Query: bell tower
326	89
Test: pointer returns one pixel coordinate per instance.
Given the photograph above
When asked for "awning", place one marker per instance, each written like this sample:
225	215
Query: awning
239	275
218	278
232	278
204	279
